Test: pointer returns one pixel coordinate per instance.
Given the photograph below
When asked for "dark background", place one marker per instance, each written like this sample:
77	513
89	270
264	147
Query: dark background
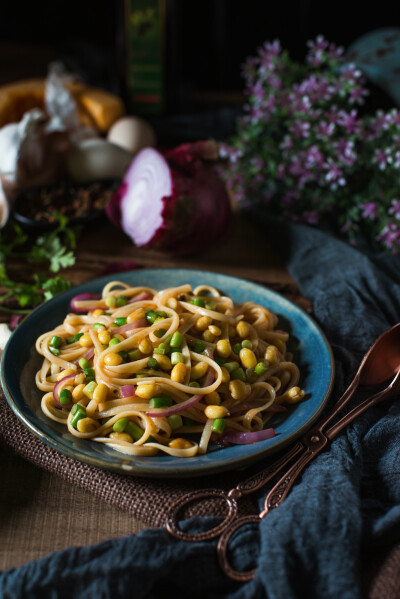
206	43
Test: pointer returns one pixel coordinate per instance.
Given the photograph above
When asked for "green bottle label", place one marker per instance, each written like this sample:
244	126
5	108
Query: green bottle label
144	54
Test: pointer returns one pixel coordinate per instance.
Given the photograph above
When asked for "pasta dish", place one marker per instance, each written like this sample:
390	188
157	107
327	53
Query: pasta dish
177	371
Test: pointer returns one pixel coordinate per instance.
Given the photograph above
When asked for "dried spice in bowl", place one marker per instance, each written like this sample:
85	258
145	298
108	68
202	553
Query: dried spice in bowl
38	208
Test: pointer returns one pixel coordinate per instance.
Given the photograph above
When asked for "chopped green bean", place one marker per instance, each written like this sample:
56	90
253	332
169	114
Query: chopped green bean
84	363
120	321
260	368
121	301
65	397
198	301
175	421
55	341
152	364
120	425
134	430
160	402
218	426
176	340
177	357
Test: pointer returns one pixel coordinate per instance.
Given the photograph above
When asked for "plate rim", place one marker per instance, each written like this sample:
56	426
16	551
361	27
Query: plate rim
145	472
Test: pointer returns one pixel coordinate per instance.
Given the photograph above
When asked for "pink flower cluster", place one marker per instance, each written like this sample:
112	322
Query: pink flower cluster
304	148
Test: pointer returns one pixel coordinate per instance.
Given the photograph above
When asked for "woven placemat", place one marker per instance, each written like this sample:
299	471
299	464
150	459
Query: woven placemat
147	499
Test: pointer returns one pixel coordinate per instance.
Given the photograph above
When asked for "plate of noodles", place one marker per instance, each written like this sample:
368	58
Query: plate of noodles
168	372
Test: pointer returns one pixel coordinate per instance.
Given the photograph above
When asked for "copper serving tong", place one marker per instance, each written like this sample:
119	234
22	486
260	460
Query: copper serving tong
380	364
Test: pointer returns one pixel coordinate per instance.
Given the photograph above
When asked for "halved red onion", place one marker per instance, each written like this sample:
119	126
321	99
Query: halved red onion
128	390
83	297
175	409
239	438
174	200
56	391
138	324
143	295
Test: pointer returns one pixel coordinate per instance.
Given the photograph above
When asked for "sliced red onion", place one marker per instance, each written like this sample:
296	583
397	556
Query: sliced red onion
56	391
127	390
82	297
175	409
209	353
87	355
209	378
140	297
138	324
239	438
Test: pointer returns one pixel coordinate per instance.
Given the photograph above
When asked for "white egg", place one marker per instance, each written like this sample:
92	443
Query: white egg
132	133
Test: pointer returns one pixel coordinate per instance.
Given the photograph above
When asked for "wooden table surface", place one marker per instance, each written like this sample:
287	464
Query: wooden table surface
40	513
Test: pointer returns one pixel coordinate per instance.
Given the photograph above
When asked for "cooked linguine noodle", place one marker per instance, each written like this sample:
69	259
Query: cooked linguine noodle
145	371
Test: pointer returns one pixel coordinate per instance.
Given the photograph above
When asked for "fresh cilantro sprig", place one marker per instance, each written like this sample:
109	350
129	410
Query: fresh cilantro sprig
54	247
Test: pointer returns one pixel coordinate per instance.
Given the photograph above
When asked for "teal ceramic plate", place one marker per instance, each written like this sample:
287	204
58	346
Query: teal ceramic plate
311	350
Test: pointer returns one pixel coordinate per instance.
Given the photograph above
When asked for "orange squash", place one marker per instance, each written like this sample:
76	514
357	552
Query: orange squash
96	107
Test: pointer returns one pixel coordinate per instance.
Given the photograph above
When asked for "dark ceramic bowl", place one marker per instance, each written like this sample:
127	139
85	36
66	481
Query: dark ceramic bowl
36	209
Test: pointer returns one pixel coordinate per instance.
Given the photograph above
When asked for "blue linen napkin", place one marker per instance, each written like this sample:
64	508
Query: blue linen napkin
346	502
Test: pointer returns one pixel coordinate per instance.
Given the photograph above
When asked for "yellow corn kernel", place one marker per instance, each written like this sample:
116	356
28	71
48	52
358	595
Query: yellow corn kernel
85	340
87	425
213	398
272	354
215	412
136	315
178	373
208	336
147	391
214	330
294	395
104	337
238	389
163	361
65	373
225	375
203	323
180	443
247	357
172	303
121	437
224	348
146	346
243	329
97	312
100	393
113	359
77	393
198	370
79	379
